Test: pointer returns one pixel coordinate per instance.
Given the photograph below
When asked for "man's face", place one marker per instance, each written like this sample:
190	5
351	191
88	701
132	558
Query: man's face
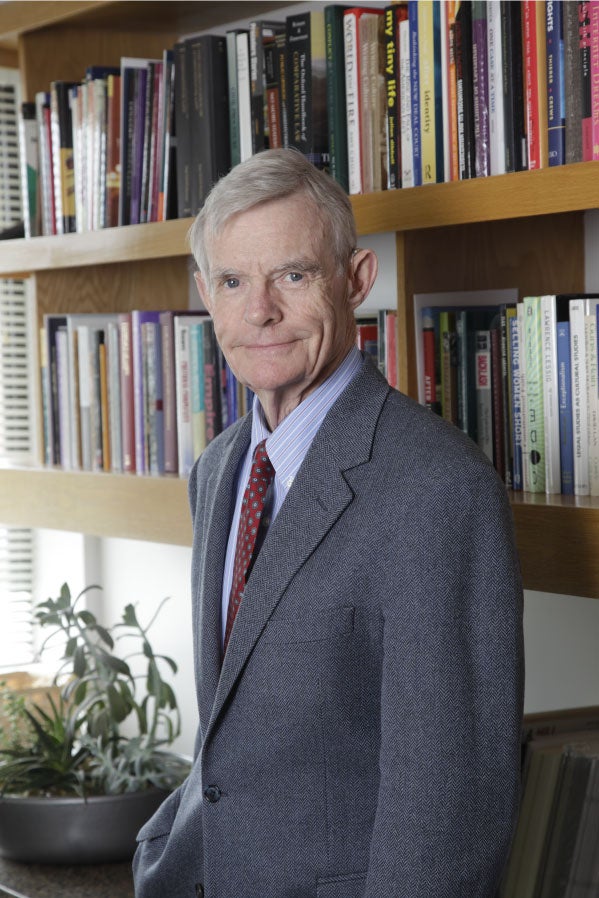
282	313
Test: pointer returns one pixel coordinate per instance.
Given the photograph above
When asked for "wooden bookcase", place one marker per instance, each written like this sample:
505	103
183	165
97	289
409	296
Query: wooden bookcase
523	230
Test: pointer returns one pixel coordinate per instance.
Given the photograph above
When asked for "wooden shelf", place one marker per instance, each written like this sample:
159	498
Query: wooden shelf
147	508
502	198
557	535
557	540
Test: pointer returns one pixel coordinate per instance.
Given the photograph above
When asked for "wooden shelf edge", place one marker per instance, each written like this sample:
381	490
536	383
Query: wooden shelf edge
154	509
557	540
547	191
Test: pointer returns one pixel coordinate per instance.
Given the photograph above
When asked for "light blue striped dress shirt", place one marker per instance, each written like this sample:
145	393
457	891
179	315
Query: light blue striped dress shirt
287	446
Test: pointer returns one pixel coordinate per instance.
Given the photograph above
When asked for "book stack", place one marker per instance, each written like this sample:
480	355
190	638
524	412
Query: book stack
555	850
383	97
138	392
521	380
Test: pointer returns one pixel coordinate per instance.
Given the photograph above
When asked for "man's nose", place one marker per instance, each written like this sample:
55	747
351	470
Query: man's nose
262	306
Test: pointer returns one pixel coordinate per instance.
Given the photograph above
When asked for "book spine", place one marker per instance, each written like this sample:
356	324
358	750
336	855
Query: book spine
127	392
273	95
449	366
307	109
480	89
464	75
182	129
104	413
114	396
565	408
235	148
496	110
426	50
556	122
516	413
505	394
256	37
407	158
393	130
336	101
484	396
198	414
212	383
429	355
85	397
244	95
169	393
499	459
584	47
113	138
572	83
183	396
531	94
352	101
590	325
550	395
454	170
579	397
535	424
415	92
594	16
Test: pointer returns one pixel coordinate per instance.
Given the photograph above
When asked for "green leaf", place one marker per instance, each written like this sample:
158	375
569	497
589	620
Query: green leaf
87	618
104	636
130	617
79	662
70	647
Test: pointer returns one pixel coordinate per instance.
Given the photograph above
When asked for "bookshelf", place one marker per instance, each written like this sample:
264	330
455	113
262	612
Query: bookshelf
524	229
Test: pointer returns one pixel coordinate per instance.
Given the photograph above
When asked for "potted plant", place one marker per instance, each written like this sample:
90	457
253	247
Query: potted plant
81	773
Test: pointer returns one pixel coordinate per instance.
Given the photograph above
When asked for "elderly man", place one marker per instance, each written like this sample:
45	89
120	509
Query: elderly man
356	593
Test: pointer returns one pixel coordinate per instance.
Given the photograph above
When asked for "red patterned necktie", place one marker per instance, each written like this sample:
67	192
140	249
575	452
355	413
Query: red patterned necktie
252	506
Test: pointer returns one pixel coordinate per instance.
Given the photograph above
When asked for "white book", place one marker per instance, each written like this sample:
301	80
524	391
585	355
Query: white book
523	399
183	390
352	101
114	395
494	56
407	162
64	414
579	397
550	394
243	95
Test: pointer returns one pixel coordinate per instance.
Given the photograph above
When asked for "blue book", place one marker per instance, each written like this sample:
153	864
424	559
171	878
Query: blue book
415	90
514	338
556	97
564	383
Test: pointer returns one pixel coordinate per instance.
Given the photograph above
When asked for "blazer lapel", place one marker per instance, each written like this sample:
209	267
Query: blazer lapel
317	499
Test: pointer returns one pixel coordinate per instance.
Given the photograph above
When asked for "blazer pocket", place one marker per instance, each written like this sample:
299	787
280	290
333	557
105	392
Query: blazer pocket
325	624
351	885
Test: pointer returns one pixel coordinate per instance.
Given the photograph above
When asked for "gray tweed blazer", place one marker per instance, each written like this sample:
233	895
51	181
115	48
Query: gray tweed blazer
362	737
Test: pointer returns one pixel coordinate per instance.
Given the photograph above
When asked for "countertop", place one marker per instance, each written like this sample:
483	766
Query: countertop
57	881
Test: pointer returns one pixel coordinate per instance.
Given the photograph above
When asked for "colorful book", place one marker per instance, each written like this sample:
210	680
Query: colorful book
415	92
534	423
480	89
564	380
307	87
516	404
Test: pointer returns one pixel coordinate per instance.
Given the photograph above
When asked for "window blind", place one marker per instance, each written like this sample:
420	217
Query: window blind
17	360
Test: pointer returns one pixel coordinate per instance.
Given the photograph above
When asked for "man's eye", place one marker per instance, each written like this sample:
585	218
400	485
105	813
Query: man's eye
295	277
231	283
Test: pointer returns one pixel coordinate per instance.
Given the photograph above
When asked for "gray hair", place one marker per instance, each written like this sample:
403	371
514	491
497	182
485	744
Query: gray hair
267	176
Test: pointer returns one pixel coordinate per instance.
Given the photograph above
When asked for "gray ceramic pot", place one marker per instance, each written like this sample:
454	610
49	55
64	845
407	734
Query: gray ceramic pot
99	829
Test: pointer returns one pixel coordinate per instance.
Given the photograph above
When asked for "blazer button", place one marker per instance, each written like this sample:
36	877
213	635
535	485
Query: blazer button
212	794
199	890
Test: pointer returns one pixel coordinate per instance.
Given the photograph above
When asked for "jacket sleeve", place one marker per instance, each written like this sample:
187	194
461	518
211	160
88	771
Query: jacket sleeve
451	727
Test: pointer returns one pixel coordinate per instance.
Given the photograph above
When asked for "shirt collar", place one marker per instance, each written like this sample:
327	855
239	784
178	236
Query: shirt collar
288	444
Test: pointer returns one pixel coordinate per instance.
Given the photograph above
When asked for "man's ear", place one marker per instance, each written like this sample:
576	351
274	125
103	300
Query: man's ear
363	268
203	291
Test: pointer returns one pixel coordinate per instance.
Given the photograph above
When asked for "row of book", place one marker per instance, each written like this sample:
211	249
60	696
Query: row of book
145	391
522	380
555	852
408	94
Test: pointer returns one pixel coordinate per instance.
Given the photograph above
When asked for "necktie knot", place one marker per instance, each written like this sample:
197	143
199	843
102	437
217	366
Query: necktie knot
252	507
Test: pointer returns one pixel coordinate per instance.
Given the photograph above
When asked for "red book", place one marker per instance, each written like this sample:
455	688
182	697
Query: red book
535	82
594	17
